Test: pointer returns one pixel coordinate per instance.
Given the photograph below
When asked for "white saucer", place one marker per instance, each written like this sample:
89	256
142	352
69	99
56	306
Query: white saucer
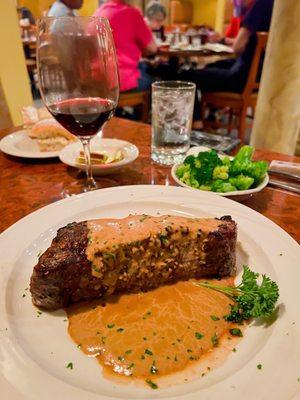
130	152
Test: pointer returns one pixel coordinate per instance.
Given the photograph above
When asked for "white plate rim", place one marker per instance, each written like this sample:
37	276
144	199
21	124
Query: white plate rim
247	192
7	146
128	193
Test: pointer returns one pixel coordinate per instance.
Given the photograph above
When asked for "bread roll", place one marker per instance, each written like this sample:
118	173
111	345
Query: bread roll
50	135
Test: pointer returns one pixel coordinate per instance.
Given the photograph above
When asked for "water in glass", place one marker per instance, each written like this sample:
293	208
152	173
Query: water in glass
172	114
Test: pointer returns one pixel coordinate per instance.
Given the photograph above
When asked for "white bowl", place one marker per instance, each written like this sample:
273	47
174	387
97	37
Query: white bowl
195	151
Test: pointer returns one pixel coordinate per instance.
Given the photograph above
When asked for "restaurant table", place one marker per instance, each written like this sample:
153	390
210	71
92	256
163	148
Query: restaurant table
203	56
27	184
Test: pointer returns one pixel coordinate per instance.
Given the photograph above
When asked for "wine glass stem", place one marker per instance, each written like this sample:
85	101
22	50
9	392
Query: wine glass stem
90	181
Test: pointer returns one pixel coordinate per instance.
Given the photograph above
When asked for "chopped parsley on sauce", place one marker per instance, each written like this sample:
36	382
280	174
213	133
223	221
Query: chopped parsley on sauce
215	318
70	365
198	335
236	332
151	384
215	340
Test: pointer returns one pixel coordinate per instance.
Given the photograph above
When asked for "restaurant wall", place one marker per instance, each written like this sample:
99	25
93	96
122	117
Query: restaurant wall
205	12
89	7
38	6
15	89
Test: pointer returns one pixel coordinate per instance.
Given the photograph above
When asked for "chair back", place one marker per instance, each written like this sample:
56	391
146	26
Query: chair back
135	98
252	84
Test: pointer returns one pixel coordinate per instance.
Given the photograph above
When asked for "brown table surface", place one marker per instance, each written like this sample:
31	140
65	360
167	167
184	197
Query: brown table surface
26	185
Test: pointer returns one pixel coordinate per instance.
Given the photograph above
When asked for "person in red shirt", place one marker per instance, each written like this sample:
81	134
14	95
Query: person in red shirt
132	39
240	8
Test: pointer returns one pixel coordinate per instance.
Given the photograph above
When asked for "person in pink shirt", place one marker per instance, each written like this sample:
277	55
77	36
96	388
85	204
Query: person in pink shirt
132	39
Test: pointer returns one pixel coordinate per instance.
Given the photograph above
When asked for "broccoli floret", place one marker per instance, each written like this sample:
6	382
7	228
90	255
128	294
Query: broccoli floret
241	161
202	166
206	187
221	172
189	160
181	170
208	160
244	154
185	174
226	161
222	186
242	182
257	170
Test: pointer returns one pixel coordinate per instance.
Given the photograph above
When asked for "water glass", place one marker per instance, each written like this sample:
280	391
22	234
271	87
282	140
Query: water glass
172	116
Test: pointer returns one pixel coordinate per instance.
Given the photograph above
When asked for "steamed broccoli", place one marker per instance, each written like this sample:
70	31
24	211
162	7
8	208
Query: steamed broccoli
182	170
221	172
207	171
257	170
202	165
242	164
226	161
222	186
241	182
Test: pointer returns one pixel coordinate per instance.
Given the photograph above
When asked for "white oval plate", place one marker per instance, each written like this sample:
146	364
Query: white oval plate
195	150
69	154
35	350
19	144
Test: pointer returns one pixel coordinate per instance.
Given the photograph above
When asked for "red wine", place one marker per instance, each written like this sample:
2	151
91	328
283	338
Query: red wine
83	116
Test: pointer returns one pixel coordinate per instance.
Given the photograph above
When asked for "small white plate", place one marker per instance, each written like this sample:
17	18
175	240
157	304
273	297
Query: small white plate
130	152
194	151
19	144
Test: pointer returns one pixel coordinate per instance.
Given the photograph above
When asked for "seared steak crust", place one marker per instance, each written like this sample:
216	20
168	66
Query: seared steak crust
64	275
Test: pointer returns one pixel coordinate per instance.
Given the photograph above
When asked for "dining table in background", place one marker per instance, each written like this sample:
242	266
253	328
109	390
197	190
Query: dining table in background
28	184
203	56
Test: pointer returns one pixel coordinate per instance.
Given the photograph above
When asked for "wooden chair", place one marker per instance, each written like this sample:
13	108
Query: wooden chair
134	99
237	103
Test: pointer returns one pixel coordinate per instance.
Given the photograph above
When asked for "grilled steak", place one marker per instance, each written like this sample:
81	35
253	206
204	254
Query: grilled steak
89	259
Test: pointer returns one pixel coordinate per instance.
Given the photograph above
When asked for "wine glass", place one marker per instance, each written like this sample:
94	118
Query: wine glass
78	78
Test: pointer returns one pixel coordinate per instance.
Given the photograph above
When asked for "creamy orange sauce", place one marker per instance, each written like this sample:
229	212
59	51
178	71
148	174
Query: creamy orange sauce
154	334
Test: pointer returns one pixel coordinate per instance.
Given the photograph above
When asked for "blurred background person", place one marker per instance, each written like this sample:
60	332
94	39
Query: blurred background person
231	75
63	8
240	9
155	17
132	38
25	13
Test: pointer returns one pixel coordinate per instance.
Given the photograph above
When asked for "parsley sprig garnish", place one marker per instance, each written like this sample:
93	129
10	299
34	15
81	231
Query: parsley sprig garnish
252	300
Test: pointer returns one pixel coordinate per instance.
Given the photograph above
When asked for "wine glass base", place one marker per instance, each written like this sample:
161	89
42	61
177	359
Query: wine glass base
77	187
